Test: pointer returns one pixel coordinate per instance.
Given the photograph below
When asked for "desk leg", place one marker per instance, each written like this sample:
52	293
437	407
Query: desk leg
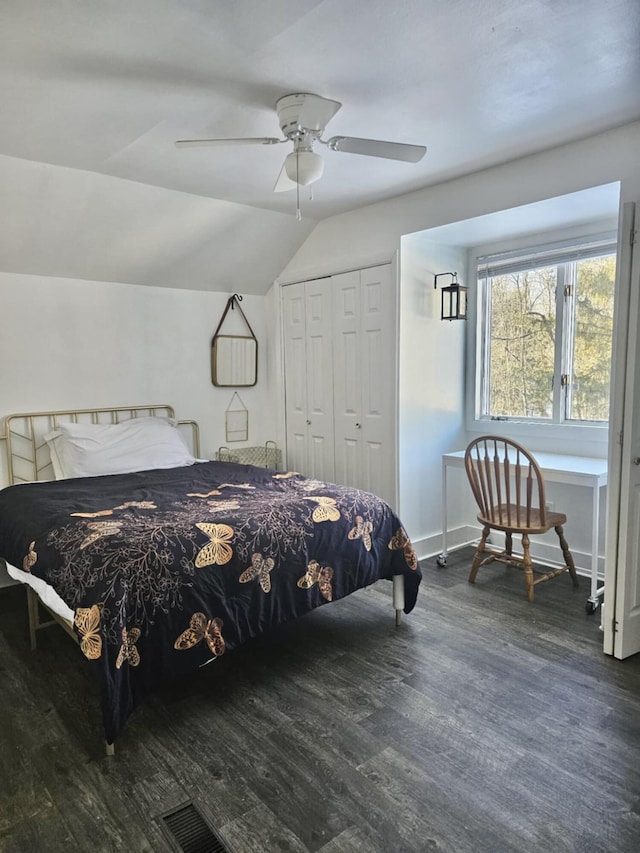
595	599
442	557
595	540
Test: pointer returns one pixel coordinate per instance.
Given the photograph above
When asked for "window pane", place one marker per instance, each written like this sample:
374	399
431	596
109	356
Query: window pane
521	346
588	397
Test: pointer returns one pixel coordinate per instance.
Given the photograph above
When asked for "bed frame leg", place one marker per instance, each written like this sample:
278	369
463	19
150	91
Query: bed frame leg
109	749
34	620
398	597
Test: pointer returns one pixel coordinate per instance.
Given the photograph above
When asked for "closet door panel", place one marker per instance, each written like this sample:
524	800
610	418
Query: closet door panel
347	381
378	410
308	372
295	384
320	462
296	450
340	364
347	375
348	464
378	348
374	469
319	373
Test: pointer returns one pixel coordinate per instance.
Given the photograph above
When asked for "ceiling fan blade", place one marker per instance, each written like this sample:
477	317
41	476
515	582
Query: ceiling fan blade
284	182
377	148
317	112
242	140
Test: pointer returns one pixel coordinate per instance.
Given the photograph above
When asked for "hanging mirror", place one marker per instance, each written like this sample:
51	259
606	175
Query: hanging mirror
234	358
234	361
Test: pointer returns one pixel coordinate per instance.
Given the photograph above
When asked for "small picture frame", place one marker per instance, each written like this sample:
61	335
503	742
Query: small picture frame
236	421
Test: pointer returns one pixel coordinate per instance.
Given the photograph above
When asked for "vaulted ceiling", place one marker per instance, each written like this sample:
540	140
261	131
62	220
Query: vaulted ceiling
93	96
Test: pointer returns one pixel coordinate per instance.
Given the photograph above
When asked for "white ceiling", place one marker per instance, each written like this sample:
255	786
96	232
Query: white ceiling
107	87
596	205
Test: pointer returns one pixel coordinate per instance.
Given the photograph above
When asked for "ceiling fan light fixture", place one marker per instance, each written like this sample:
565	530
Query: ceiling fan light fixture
304	167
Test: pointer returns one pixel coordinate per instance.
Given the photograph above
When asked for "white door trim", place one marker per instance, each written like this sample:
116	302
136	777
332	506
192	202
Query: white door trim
621	616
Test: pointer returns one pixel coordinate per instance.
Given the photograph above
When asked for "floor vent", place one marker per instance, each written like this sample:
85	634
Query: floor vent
187	827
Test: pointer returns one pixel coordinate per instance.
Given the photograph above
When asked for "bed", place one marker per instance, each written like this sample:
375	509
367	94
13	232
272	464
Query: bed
159	571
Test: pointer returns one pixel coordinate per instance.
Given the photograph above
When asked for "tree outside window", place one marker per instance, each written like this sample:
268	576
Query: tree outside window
547	324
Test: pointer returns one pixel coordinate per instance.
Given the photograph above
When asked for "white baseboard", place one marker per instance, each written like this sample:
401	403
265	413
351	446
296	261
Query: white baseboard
431	546
541	552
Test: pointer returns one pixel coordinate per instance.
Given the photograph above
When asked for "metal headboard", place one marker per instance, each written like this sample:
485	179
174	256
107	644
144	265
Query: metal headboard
28	455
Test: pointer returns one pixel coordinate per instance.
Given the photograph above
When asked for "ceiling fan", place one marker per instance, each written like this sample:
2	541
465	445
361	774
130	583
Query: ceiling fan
303	118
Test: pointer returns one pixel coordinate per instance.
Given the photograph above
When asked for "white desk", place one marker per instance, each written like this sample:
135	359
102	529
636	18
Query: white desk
556	468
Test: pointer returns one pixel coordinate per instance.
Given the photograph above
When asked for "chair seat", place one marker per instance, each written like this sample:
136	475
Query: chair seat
504	517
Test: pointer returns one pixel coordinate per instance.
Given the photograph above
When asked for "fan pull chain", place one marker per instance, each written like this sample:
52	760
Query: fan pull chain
298	213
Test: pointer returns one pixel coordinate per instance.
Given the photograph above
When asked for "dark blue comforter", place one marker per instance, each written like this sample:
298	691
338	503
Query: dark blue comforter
167	569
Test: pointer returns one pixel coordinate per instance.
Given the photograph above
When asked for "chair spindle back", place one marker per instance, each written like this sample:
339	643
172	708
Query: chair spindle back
506	482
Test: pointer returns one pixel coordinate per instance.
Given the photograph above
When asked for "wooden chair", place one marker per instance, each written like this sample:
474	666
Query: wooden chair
509	489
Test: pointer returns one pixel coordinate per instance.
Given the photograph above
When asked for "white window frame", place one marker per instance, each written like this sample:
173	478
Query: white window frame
568	436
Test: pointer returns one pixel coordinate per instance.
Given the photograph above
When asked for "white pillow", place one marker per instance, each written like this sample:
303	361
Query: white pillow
54	440
139	444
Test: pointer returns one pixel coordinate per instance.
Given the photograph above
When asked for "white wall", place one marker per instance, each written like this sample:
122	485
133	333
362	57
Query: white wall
431	389
374	233
363	236
66	343
70	223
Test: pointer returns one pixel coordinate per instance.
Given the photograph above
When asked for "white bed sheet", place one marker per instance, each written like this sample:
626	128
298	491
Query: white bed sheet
46	593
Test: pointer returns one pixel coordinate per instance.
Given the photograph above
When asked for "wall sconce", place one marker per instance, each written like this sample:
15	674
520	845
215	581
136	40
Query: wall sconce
454	298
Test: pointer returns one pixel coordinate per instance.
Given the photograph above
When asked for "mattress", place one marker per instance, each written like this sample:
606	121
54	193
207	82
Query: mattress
46	593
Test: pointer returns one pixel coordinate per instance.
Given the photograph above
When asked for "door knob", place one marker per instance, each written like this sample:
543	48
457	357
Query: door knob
358	426
636	460
308	422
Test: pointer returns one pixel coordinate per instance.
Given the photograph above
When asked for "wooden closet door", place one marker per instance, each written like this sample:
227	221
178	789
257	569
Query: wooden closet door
309	378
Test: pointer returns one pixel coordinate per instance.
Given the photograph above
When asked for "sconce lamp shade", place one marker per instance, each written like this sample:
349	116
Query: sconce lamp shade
454	298
454	302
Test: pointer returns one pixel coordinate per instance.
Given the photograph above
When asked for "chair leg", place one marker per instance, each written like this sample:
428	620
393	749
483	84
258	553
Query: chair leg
478	557
508	545
568	557
526	565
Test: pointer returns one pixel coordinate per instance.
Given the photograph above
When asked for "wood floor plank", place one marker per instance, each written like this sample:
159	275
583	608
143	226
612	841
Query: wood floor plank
283	778
42	832
351	840
260	830
454	825
481	723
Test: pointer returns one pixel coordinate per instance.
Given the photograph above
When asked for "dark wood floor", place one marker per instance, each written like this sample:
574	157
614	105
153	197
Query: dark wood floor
483	723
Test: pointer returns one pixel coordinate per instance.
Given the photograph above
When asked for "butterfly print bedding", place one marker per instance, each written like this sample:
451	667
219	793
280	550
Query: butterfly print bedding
259	568
200	628
87	622
318	574
166	570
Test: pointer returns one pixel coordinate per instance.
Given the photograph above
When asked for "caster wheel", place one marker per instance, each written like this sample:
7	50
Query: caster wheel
591	607
441	560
